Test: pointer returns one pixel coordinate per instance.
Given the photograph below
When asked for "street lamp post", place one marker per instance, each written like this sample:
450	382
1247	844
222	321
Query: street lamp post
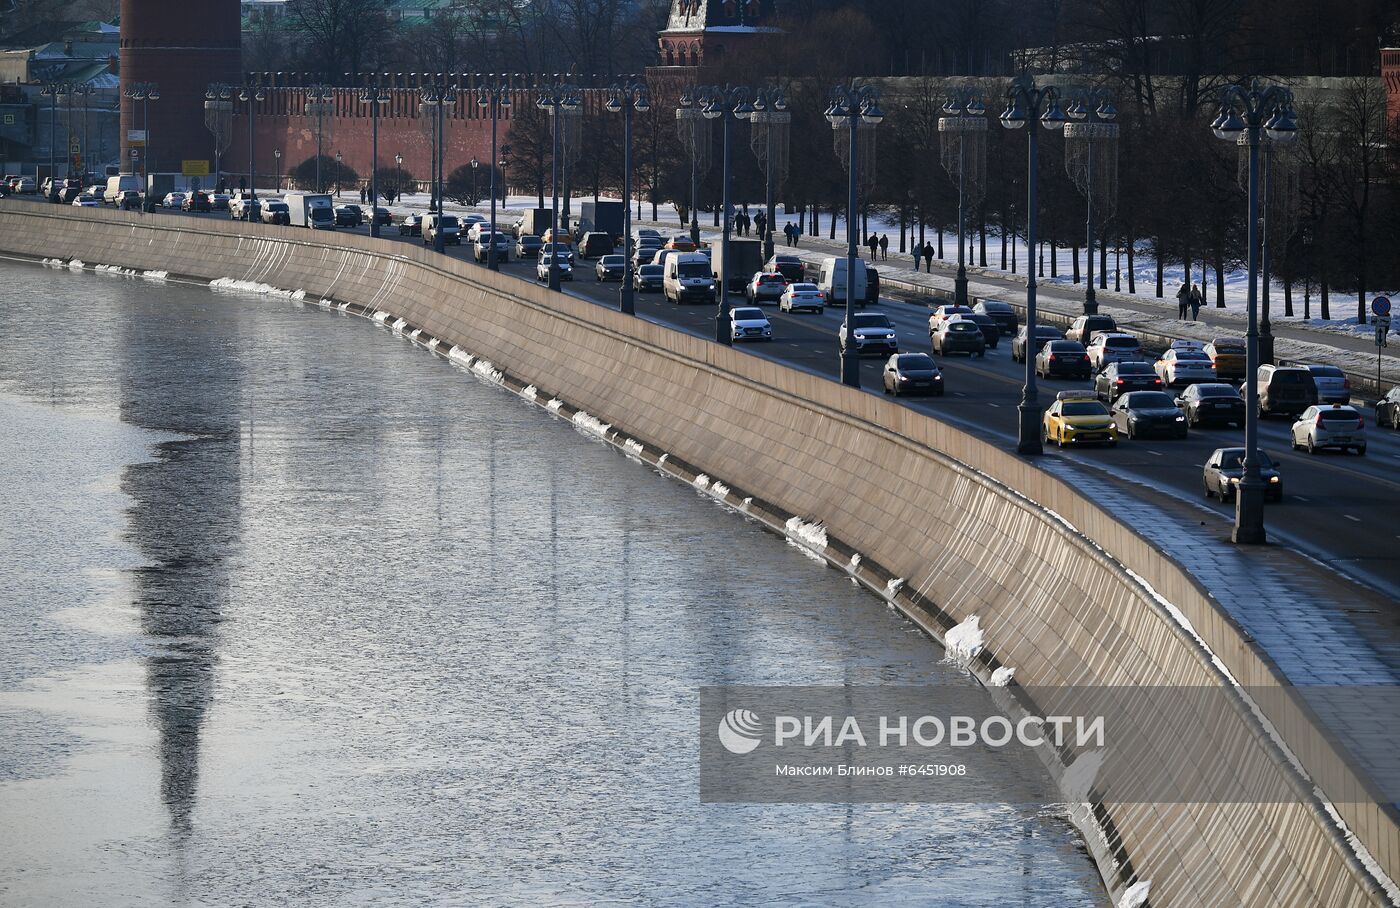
277	156
84	91
475	165
145	92
966	121
694	131
339	167
218	119
1250	113
251	94
852	106
496	96
1027	103
729	104
374	96
768	138
52	90
1097	131
317	105
627	98
398	181
436	99
559	99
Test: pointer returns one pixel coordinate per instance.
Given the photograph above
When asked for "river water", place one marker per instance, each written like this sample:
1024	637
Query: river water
295	613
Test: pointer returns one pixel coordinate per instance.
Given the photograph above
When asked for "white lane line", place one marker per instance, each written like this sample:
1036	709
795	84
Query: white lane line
1300	498
1349	517
1155	453
998	406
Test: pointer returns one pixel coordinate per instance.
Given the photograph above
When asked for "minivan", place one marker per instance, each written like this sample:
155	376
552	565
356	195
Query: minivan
688	278
831	279
1285	389
451	230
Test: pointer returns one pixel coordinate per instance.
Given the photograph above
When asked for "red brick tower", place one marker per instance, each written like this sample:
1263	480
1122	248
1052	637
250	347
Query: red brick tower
701	32
181	46
1390	73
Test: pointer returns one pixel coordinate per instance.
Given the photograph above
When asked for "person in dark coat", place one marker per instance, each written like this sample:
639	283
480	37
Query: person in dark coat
928	257
884	245
787	232
873	245
1196	301
760	221
1183	301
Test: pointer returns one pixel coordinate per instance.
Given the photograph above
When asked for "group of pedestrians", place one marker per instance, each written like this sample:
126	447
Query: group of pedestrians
879	246
792	232
1189	297
743	224
924	252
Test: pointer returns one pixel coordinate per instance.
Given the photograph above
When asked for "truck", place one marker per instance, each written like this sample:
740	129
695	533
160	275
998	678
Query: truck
535	221
745	258
600	217
310	209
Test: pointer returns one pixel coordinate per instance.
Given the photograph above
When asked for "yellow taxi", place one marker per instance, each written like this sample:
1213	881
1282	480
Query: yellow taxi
1079	418
1228	355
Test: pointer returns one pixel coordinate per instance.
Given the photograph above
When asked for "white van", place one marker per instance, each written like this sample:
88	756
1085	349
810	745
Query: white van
831	280
117	185
688	278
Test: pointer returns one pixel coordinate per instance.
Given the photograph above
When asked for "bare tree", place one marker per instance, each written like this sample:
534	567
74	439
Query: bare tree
1359	121
342	35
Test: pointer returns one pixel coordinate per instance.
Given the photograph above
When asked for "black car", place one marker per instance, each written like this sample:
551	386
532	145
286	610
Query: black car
648	278
789	266
1388	409
528	246
610	268
1043	335
1062	359
1116	379
349	216
1140	413
1224	468
959	335
383	217
872	287
1001	313
411	225
991	331
1082	329
1212	404
912	373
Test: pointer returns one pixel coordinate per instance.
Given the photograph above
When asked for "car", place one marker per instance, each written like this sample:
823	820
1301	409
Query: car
1184	344
610	268
129	200
382	217
1228	354
173	200
566	270
218	201
411	225
1062	359
789	266
1043	335
1225	466
446	224
349	216
1140	413
1082	328
680	244
564	251
1117	379
1212	404
1180	367
1337	426
648	278
87	201
1388	409
275	212
1288	390
958	335
1003	313
1112	347
991	331
1333	386
596	244
767	288
485	239
528	246
803	296
196	201
646	233
749	323
1079	418
871	333
662	255
943	313
912	373
243	208
25	185
643	255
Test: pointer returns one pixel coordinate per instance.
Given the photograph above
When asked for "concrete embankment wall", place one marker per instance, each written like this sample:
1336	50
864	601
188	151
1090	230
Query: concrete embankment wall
1064	593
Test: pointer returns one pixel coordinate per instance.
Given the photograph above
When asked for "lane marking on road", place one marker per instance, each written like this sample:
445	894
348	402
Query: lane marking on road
1300	498
1154	453
1349	517
998	406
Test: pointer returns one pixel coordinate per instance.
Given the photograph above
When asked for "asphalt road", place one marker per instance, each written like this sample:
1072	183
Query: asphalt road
1339	508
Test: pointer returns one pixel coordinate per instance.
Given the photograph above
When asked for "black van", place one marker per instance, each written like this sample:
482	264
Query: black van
1285	390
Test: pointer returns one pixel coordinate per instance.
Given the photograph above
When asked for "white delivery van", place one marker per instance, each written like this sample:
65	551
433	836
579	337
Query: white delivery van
831	280
126	182
688	278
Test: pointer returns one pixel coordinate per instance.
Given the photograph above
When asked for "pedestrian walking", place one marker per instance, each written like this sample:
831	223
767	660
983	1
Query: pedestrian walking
1196	301
362	195
760	221
928	257
796	234
918	254
873	245
884	245
1183	301
787	232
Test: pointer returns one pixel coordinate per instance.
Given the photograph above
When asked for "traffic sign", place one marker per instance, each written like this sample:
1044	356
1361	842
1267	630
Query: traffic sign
135	153
1381	305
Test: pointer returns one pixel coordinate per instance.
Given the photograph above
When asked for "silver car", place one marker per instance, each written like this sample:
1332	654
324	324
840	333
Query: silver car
1329	427
1333	386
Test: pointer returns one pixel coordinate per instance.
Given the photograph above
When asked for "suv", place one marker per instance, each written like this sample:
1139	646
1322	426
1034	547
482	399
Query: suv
959	335
595	245
1001	313
874	333
349	216
1285	390
1082	329
1108	347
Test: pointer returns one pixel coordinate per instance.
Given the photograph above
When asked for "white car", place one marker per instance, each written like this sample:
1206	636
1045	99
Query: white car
873	334
749	323
566	271
944	313
1182	367
87	201
1110	347
802	296
1188	345
173	200
1333	386
1336	426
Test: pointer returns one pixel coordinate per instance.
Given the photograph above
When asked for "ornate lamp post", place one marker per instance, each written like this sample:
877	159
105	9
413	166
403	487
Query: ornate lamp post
475	166
1249	114
145	92
51	91
318	105
964	144
728	104
218	119
694	130
1027	103
771	124
851	109
277	156
339	169
496	96
435	101
398	182
559	99
627	98
250	95
374	96
1279	191
1091	159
